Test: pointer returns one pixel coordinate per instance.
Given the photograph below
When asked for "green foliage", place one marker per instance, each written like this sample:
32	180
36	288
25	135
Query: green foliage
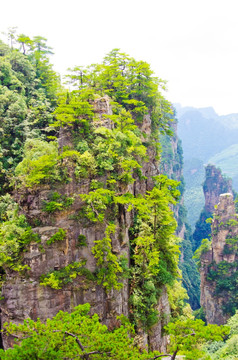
143	301
214	179
57	202
177	296
119	149
128	82
205	246
52	206
39	164
231	223
188	336
70	336
233	324
116	151
171	163
114	154
193	171
15	234
227	350
107	262
202	229
58	278
225	277
82	240
60	235
212	348
26	105
74	109
86	166
97	203
200	314
155	249
230	350
191	276
171	160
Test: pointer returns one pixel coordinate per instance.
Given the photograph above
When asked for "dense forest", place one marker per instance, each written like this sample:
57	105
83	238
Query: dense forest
96	257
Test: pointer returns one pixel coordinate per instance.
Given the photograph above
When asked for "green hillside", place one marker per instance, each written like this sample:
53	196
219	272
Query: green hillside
227	161
194	174
206	138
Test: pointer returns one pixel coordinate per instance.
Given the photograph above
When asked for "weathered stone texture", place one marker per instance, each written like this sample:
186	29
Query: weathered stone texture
156	338
214	185
25	297
212	302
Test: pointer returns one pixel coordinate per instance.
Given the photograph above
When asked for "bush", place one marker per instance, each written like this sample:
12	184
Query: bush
39	165
60	235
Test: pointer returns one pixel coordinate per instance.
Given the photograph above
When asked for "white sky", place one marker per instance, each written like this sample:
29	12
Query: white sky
193	44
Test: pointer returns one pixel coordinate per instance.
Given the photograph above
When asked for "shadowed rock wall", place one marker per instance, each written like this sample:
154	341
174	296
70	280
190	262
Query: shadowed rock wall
219	264
25	297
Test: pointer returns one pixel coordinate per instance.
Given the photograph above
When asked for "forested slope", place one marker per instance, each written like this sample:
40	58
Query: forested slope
89	207
207	138
86	214
28	88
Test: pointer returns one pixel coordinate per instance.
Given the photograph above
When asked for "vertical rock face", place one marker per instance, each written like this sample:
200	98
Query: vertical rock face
156	339
214	185
172	165
25	297
219	264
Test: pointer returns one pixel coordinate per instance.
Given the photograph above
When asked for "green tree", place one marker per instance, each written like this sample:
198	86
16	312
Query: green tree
25	42
79	335
130	83
227	350
25	106
39	164
71	336
15	234
187	337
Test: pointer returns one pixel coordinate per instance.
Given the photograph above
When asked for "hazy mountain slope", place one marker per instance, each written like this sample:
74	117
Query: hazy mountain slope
206	138
230	121
227	161
194	173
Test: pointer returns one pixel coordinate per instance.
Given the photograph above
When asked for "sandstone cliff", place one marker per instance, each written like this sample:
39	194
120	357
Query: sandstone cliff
23	296
219	264
172	165
214	185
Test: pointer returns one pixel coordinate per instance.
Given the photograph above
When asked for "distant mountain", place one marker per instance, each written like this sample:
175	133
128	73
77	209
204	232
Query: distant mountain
229	121
227	161
194	174
207	138
204	133
207	112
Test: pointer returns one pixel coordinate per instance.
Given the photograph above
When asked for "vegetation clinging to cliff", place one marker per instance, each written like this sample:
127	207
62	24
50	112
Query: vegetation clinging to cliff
28	92
113	146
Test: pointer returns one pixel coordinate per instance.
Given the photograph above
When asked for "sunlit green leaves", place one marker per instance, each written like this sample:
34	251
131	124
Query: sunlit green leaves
188	336
109	266
70	336
73	108
26	103
128	82
15	233
97	203
39	164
